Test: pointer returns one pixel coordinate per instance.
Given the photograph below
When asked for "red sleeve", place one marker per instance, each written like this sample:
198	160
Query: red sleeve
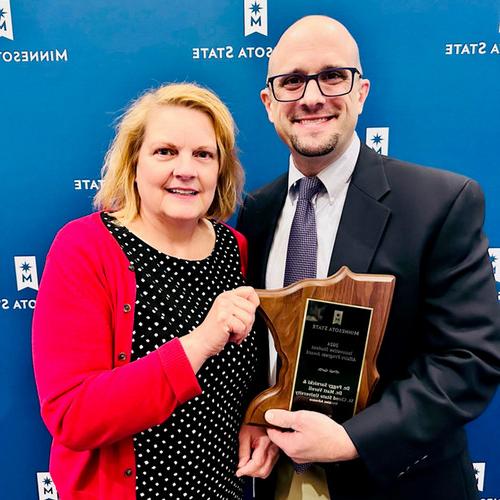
243	246
87	401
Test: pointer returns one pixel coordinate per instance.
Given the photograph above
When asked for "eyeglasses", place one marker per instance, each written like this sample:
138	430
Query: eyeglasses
331	82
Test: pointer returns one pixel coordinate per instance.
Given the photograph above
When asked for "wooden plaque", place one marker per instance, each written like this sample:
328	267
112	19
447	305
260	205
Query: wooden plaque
327	333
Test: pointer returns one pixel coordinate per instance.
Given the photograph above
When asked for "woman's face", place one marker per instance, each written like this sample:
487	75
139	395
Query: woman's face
178	165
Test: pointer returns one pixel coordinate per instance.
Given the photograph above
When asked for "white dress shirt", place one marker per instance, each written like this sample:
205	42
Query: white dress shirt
328	205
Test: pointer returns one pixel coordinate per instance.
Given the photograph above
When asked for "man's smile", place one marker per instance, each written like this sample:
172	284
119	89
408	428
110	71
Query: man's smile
307	120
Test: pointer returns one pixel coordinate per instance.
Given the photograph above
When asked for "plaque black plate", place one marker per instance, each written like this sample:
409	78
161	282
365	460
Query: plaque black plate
331	356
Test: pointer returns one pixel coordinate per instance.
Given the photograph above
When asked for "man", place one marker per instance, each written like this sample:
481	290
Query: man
439	362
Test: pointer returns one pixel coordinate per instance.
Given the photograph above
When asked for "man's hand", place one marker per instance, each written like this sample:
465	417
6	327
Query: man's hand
314	436
257	453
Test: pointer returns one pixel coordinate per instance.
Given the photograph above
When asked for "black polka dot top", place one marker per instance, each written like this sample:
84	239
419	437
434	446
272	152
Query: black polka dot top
194	453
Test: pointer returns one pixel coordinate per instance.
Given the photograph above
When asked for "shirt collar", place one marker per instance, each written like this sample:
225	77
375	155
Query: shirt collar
334	176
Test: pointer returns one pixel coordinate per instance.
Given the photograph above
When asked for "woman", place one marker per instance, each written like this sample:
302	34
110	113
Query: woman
143	351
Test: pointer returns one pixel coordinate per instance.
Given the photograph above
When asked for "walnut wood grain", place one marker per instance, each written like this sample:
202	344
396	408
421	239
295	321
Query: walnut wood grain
283	311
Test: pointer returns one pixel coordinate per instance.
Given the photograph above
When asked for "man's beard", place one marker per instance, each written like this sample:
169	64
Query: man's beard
315	150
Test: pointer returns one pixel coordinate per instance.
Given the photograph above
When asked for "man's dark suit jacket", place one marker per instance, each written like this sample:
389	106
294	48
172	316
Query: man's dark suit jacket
439	362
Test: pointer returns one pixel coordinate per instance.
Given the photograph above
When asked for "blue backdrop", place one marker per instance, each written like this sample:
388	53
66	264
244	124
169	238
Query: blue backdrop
67	69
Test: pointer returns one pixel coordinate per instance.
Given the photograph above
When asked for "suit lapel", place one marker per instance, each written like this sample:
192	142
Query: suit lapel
270	207
364	217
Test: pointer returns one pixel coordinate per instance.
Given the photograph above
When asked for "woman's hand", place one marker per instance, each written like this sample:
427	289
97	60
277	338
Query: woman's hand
257	452
230	319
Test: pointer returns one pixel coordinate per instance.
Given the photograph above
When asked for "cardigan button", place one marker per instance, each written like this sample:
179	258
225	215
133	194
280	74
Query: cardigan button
128	472
131	267
122	356
127	308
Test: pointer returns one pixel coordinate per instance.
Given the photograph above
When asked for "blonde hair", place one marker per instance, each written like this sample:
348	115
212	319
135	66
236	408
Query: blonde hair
118	192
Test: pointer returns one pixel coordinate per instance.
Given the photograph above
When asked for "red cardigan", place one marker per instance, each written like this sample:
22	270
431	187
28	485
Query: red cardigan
93	400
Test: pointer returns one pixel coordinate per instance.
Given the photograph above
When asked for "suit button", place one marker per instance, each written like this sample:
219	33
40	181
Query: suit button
127	308
122	356
128	472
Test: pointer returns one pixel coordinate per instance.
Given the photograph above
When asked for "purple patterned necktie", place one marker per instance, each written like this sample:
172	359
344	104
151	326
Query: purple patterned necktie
301	255
302	252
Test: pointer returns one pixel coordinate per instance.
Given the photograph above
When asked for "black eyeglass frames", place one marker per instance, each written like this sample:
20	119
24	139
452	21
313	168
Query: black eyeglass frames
332	82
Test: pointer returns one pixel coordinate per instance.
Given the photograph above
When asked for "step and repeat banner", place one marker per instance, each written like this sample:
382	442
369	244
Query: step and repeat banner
68	69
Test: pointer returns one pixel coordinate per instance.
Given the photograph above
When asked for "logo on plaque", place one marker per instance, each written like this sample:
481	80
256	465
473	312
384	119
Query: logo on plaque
337	317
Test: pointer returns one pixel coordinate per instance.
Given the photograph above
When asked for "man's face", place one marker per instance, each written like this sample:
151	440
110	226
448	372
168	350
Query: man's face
317	129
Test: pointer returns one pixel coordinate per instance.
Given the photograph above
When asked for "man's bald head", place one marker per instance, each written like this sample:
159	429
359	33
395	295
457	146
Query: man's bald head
314	29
